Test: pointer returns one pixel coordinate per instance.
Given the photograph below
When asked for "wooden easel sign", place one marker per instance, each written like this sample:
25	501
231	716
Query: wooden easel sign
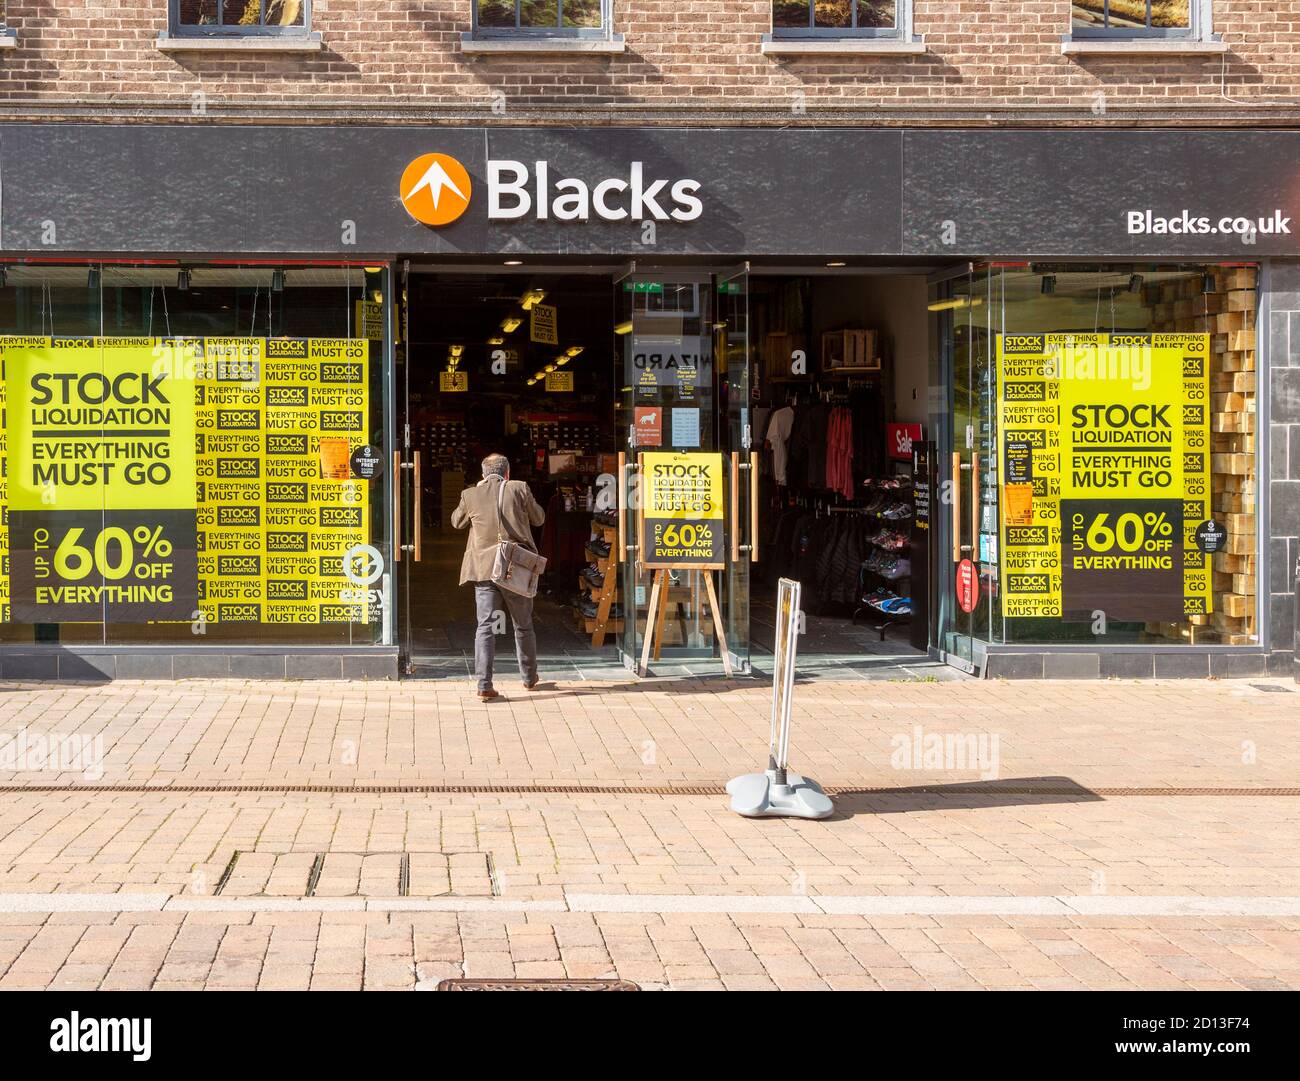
681	530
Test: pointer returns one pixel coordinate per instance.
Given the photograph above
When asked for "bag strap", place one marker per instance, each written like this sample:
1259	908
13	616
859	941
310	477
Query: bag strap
501	492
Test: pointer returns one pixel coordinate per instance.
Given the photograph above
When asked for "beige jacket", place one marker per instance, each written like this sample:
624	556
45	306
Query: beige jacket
477	512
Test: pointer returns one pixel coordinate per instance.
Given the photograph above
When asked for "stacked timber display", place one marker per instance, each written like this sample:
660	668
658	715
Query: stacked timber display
1222	304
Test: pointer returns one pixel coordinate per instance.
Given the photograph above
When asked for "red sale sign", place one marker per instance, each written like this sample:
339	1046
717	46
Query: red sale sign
899	439
967	586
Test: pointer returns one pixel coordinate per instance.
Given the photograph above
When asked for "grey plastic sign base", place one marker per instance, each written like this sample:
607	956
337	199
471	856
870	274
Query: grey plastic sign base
757	795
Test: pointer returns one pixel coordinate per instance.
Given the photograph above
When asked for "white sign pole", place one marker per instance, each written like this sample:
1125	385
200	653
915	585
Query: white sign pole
777	791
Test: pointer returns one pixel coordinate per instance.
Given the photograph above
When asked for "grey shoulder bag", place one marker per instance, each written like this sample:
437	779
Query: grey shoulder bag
515	568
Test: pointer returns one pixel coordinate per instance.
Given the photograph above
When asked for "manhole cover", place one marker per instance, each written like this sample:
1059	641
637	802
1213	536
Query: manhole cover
537	985
1271	687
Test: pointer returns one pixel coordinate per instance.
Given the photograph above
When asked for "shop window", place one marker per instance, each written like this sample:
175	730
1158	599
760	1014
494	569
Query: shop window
542	18
192	455
240	17
1114	412
838	18
1136	18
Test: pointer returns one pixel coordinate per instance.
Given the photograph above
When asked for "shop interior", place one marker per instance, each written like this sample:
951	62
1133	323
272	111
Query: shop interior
476	382
834	361
841	387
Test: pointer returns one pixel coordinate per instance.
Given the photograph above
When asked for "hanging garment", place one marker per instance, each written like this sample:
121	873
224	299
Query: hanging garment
839	452
779	427
818	422
868	409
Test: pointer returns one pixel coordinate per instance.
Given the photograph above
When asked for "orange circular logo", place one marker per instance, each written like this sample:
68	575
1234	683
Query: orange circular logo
435	189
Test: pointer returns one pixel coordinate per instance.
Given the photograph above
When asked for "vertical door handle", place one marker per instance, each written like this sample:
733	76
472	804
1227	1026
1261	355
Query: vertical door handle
418	526
956	507
397	506
976	505
735	507
639	540
753	506
620	501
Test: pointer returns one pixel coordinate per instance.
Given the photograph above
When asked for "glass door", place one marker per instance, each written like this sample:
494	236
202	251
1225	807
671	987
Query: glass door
685	609
968	467
736	394
406	508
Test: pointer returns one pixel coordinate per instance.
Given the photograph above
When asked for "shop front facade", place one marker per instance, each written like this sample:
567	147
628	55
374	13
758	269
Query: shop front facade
229	352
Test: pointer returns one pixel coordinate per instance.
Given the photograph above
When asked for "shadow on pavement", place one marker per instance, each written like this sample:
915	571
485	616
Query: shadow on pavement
962	796
551	689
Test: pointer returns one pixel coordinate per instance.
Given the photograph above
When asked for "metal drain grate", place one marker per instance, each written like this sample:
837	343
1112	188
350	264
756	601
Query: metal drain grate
333	874
537	985
991	789
376	790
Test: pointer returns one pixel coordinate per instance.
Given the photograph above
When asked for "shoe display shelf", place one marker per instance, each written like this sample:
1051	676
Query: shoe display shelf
607	596
892	505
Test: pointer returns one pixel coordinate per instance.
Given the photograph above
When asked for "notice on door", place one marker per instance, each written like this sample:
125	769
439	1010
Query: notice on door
682	518
649	422
102	508
652	365
1109	434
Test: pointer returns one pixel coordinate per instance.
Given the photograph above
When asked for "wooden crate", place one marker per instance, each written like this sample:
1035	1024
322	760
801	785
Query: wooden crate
1228	314
779	348
854	350
1241	300
1231	279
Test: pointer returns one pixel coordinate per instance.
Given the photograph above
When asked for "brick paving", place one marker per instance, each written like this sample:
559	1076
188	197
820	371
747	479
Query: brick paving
380	951
514	872
1095	733
542	846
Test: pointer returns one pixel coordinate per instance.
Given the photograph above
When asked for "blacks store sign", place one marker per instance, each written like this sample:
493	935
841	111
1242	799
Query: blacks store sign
338	191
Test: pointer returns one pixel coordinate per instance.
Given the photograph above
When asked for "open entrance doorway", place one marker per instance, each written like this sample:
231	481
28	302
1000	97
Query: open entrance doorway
843	366
809	389
516	364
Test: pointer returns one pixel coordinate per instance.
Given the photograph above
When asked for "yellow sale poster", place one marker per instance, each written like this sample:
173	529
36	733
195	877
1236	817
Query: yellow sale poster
682	510
161	480
101	519
1108	436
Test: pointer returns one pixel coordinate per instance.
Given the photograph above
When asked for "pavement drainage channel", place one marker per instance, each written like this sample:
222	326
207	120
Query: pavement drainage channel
252	874
938	906
988	788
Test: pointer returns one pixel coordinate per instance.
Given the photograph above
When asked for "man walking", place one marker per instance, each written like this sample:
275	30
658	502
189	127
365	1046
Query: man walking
478	512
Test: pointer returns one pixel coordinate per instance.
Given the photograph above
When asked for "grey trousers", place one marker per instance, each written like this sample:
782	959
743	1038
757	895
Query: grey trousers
492	604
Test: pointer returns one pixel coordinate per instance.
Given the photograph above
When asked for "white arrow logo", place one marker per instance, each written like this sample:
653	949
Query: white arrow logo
435	178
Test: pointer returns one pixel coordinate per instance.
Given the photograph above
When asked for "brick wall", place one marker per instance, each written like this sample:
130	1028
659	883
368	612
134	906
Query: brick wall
984	60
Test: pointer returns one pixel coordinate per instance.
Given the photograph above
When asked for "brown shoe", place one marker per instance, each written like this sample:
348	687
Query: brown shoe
532	685
488	695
